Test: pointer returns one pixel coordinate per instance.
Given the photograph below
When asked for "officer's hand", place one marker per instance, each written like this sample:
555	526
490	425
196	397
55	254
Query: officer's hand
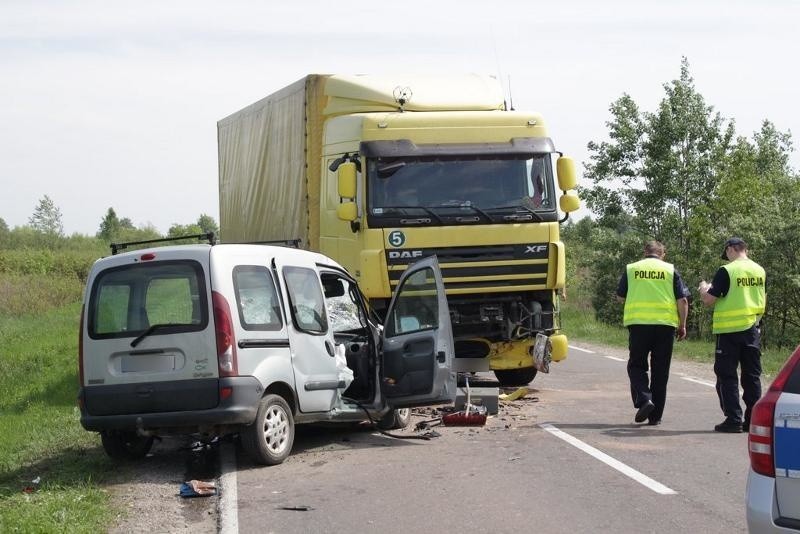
680	333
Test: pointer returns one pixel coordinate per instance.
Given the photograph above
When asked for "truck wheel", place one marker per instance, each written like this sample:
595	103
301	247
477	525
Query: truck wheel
396	419
515	377
270	438
126	445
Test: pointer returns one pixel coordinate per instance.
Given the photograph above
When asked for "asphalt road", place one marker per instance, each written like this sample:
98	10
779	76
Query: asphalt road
568	458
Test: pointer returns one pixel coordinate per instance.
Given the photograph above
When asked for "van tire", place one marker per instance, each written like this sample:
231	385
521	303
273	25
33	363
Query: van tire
122	445
515	377
269	439
396	419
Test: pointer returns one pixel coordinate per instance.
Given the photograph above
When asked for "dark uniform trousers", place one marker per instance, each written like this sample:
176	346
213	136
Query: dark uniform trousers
655	341
734	349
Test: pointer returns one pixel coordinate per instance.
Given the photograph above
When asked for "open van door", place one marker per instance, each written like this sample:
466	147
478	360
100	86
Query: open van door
417	349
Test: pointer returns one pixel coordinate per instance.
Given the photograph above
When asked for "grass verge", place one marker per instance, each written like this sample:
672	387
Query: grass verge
40	433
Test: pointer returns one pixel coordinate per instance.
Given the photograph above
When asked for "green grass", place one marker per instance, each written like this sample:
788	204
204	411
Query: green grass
40	433
579	323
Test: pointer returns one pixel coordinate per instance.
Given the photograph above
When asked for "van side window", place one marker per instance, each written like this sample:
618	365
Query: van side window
256	298
416	307
305	297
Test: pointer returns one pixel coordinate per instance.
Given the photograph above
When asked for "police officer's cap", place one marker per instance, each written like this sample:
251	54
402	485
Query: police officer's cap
732	242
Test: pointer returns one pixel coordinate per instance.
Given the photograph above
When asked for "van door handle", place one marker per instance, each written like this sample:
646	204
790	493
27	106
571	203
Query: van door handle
329	347
441	356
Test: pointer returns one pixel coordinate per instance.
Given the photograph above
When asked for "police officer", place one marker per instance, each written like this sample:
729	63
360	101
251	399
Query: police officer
655	313
738	296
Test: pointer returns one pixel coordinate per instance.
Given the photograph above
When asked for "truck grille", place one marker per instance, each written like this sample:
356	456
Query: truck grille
500	267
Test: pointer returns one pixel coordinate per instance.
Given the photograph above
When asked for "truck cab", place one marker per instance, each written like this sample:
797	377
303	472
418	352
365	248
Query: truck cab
378	172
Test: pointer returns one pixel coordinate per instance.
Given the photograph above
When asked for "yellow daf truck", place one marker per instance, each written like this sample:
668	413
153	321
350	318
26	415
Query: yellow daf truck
380	172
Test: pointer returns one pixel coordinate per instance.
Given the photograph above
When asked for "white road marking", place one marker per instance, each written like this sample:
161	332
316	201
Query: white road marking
699	381
587	351
228	506
608	460
616	359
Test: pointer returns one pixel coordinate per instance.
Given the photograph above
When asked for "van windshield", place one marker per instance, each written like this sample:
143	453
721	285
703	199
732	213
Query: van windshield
127	301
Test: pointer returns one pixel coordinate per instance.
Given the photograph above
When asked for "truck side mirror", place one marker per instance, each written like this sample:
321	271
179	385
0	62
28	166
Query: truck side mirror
567	179
346	180
347	211
569	202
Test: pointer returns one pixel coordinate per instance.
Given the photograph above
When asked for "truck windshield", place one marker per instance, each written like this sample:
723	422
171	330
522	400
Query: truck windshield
460	190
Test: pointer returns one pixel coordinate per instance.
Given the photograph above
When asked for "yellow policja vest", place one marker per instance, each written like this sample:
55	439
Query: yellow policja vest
651	294
746	299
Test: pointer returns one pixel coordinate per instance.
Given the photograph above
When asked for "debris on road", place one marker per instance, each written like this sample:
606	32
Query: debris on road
198	488
518	394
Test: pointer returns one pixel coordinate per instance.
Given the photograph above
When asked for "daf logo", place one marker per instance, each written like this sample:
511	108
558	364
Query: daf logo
535	249
404	254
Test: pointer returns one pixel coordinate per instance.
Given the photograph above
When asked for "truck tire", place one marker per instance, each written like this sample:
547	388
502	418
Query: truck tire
515	377
128	445
269	439
396	419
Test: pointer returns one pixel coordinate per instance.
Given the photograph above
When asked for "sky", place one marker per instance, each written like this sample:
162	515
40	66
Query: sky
115	104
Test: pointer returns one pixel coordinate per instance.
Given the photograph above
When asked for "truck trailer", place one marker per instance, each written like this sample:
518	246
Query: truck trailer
379	172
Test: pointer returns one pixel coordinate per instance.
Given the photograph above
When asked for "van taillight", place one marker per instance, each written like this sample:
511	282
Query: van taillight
762	422
226	341
80	349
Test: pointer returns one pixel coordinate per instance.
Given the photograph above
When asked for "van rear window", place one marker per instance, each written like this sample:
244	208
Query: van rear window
127	300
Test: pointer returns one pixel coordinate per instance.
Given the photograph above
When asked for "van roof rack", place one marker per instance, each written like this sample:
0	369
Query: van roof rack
211	237
294	243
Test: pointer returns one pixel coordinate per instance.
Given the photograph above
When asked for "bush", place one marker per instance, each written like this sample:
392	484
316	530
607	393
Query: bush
64	263
33	294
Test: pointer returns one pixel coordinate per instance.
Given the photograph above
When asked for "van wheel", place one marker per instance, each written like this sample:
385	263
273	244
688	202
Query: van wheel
126	445
396	419
515	377
269	439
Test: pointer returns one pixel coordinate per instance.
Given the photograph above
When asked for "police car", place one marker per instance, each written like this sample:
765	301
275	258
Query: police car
773	485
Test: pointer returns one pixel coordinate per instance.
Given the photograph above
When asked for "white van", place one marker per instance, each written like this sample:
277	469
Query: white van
252	339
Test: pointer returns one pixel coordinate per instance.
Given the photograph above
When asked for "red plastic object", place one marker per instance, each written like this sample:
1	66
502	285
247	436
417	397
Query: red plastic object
464	419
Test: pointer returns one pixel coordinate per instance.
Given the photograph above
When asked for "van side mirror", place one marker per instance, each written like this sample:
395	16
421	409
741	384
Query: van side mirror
346	180
347	211
567	179
569	202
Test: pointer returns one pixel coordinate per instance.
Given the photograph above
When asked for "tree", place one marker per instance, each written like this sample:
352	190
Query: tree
661	166
208	224
680	175
3	226
109	226
179	230
112	228
46	218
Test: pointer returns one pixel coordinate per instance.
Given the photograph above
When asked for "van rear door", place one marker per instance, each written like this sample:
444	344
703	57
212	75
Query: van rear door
417	340
149	343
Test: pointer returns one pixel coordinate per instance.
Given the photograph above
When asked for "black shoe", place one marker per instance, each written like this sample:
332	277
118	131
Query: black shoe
643	411
746	425
728	426
654	422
